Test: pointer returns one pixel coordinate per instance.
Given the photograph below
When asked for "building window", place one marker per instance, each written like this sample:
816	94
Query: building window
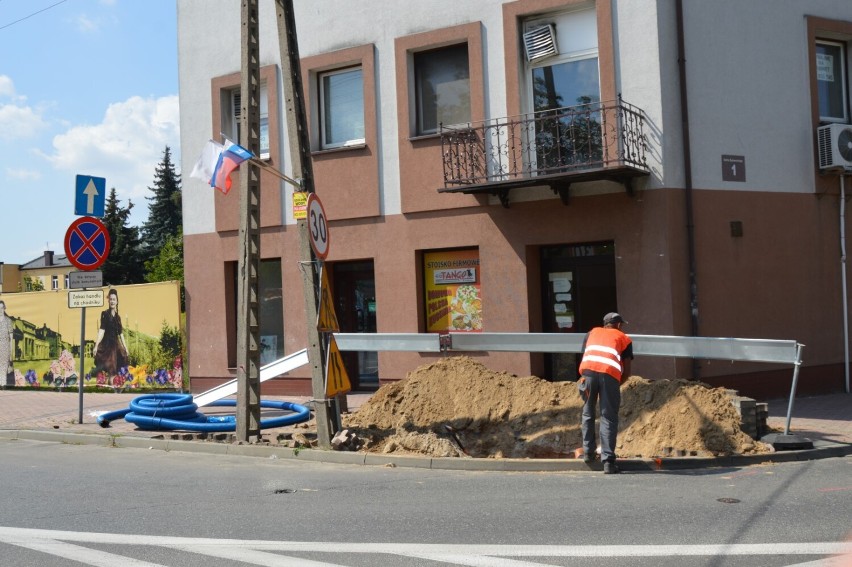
54	282
453	290
231	121
270	309
442	88
831	81
67	279
341	93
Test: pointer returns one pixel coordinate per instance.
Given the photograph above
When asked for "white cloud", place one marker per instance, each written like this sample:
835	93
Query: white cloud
23	174
125	147
7	87
19	122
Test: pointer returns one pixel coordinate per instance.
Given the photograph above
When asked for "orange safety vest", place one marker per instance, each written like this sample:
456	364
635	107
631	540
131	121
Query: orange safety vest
603	351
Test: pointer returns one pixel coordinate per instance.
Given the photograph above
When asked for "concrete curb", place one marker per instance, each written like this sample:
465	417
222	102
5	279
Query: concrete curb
821	450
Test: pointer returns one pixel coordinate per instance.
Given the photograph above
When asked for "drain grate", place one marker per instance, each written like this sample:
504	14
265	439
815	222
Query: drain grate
285	490
728	500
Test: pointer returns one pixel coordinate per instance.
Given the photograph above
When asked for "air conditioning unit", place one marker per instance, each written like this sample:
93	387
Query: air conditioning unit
834	142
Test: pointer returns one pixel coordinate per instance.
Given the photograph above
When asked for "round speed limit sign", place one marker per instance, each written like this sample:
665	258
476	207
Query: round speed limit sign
317	226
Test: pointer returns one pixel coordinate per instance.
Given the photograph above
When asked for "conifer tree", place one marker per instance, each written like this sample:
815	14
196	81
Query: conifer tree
164	208
123	264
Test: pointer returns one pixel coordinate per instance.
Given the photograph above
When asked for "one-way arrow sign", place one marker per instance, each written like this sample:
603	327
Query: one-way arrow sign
90	196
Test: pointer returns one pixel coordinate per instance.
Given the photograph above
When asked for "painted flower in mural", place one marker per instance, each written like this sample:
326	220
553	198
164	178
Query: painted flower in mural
31	378
102	379
137	374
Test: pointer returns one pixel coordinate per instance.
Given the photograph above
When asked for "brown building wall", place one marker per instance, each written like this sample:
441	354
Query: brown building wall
778	246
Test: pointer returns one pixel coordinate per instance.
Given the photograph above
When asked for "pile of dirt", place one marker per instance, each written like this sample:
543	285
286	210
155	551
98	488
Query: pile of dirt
457	406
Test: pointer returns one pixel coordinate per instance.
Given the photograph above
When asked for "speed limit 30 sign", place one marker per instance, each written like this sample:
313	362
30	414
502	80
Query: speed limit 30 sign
317	227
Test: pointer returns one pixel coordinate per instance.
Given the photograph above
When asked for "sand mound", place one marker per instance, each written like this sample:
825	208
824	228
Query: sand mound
457	404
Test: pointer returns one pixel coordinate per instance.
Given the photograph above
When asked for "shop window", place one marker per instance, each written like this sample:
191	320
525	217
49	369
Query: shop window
442	88
452	290
831	81
270	309
231	127
341	94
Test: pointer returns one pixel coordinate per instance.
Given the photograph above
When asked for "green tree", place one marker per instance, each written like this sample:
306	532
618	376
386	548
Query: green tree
123	265
164	208
168	264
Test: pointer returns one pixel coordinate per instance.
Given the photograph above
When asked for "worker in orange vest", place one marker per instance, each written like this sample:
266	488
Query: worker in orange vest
607	354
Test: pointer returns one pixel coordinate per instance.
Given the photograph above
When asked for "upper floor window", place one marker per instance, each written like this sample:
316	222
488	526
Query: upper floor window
67	278
341	93
54	282
567	74
231	120
442	88
831	81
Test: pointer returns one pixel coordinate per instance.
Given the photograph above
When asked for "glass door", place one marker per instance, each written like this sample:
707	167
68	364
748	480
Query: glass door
354	290
579	288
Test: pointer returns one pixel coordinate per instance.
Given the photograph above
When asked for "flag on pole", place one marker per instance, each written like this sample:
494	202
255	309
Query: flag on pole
217	162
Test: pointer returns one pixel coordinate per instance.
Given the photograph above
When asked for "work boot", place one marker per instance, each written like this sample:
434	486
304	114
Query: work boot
611	468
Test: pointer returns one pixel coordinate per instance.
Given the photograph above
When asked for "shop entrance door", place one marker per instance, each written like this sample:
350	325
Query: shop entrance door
578	289
354	288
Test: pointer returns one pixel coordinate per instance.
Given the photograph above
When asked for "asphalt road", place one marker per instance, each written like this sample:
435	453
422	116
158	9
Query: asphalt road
88	505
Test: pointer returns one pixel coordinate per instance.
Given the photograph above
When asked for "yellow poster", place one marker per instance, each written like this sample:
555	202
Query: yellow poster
300	205
453	290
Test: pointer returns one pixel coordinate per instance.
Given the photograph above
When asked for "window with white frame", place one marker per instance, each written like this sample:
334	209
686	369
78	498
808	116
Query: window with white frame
231	121
567	73
54	282
67	278
341	95
831	81
442	88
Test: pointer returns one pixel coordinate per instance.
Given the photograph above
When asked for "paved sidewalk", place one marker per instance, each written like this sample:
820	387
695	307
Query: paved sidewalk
54	416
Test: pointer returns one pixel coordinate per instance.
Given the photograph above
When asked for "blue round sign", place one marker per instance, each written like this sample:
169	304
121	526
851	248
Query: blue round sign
87	243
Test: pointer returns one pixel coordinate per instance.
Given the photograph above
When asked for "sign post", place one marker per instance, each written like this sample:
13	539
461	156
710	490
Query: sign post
86	247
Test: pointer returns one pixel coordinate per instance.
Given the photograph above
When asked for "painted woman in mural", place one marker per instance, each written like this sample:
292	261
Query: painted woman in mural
7	346
110	349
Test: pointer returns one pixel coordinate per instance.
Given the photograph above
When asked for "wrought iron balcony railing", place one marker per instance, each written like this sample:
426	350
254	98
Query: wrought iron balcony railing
604	140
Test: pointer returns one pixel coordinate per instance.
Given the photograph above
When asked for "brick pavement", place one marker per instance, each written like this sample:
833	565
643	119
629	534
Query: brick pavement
827	418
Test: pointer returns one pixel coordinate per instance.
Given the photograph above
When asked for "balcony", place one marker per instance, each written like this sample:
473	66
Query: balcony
554	148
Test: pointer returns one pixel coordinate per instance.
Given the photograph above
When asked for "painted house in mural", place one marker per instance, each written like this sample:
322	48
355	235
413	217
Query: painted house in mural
529	165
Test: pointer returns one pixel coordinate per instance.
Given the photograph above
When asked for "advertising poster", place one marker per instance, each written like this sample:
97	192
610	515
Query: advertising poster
453	290
131	342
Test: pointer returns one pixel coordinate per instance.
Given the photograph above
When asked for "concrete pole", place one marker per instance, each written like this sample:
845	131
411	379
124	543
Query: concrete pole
300	156
248	313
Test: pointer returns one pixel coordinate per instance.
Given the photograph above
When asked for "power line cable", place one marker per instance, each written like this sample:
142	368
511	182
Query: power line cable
33	14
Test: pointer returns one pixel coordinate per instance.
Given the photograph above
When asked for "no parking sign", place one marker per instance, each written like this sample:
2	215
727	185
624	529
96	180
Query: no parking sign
87	243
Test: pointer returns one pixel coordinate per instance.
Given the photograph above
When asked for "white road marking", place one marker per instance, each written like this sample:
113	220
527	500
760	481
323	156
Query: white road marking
268	553
92	557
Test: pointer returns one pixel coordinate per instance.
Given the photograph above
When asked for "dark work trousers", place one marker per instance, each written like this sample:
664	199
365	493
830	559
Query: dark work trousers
606	388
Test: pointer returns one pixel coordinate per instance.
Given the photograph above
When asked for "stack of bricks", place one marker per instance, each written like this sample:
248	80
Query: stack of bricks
753	416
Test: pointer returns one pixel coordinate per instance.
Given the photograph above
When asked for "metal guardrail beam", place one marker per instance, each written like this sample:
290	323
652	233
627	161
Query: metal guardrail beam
755	350
412	342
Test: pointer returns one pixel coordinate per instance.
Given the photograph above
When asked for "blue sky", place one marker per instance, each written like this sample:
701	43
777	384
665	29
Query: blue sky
86	87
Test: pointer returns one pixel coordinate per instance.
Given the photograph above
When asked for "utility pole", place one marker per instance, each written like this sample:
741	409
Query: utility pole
297	136
248	314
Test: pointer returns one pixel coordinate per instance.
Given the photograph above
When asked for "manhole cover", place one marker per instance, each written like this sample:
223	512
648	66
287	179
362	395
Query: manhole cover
728	500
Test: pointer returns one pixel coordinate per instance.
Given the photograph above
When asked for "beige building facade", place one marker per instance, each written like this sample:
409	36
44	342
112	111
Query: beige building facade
527	166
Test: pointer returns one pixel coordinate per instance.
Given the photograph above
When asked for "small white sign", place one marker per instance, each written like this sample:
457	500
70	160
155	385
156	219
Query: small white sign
87	298
461	275
79	280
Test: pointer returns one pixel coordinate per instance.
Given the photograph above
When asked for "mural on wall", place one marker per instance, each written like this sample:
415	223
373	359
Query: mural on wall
130	343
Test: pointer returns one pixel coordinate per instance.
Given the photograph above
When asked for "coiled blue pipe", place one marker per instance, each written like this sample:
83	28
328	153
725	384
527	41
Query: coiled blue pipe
172	412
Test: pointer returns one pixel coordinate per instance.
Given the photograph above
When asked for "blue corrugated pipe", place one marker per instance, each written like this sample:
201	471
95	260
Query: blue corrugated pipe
173	412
